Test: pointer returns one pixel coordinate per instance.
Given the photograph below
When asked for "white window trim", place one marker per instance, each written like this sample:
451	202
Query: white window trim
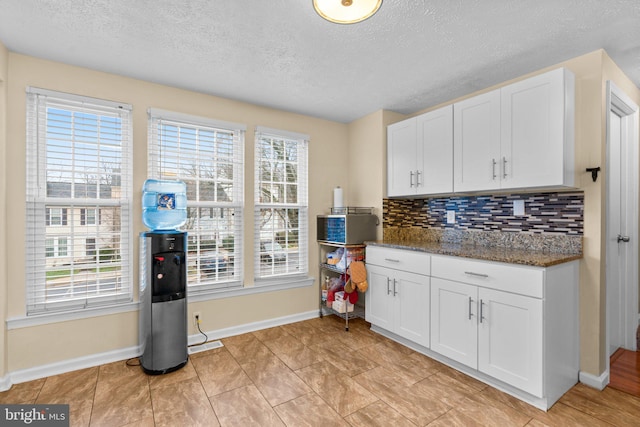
158	113
36	169
257	288
64	316
303	252
49	318
180	119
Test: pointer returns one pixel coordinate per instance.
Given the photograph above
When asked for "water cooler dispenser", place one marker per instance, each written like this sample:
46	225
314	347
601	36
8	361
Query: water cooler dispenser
163	286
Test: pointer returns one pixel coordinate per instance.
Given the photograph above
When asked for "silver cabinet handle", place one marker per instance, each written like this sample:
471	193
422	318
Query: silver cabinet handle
410	178
471	273
622	238
481	311
388	288
470	302
504	167
394	288
493	165
418	173
392	260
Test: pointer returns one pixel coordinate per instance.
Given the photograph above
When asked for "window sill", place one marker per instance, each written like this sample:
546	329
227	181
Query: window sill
57	317
261	286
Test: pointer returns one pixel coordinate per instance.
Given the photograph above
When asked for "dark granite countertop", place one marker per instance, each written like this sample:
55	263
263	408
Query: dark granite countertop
486	253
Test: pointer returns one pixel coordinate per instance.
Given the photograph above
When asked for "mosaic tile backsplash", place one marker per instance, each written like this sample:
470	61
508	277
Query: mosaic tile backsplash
545	213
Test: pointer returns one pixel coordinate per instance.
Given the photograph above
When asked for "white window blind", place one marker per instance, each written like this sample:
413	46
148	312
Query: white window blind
78	160
208	156
281	204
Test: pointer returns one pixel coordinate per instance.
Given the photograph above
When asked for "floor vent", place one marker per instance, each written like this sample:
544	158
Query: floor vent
206	346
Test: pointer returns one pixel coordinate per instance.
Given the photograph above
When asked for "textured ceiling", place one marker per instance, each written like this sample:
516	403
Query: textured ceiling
279	53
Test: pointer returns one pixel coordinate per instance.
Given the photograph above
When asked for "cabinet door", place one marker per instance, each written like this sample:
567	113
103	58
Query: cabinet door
510	339
476	146
435	151
534	143
401	158
379	297
411	306
454	330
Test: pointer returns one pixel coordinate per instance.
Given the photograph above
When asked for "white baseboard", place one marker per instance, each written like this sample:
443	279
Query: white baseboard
591	380
255	326
5	383
30	374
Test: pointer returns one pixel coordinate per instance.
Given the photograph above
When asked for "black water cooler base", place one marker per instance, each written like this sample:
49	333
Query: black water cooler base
164	371
163	296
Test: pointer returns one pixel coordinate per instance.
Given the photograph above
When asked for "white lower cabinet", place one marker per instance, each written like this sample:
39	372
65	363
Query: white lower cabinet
379	301
498	333
510	325
510	339
454	329
398	300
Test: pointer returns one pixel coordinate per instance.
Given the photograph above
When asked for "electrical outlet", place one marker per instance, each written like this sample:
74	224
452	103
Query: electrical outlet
196	316
451	217
518	207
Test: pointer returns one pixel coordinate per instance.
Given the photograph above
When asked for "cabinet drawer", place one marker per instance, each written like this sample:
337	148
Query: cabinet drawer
398	259
516	279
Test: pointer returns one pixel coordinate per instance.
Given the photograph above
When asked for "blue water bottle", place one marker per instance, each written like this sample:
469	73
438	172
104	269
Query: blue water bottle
164	204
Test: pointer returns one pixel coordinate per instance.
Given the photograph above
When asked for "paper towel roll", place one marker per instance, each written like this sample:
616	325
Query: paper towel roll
337	198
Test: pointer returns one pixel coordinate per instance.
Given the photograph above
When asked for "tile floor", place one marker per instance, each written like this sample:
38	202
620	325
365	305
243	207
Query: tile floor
310	373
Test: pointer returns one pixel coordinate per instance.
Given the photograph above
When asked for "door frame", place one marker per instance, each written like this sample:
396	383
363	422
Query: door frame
621	104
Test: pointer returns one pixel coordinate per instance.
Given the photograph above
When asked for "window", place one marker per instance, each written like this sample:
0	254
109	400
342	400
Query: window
208	156
56	216
55	247
87	216
50	248
78	166
90	247
281	243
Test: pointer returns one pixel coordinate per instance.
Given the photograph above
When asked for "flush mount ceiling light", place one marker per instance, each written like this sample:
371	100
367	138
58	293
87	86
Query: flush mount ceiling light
346	11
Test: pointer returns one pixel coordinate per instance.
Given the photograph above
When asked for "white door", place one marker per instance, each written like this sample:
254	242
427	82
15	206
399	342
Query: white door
402	158
379	301
435	151
622	233
454	324
476	143
510	339
533	130
411	301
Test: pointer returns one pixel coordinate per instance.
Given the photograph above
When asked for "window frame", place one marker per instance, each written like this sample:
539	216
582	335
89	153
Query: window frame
212	268
39	204
282	266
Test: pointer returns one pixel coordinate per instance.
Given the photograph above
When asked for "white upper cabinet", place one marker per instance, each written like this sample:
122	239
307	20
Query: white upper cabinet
538	131
476	145
518	136
420	154
402	158
435	150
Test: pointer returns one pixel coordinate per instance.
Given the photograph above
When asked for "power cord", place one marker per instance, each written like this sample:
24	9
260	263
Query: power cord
206	338
129	362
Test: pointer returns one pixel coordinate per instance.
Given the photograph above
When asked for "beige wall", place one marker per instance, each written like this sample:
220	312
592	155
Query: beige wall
34	346
367	163
4	55
591	71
